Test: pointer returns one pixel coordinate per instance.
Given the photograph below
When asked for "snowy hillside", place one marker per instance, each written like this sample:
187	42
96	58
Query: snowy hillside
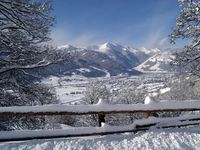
119	53
112	48
159	62
144	53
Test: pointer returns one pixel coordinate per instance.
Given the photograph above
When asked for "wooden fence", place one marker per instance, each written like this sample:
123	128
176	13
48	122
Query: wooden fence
101	109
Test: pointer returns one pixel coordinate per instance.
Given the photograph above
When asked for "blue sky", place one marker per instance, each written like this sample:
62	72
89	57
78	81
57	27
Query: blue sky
136	23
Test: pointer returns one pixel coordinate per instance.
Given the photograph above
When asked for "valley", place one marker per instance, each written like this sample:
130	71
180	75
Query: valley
71	89
111	59
115	66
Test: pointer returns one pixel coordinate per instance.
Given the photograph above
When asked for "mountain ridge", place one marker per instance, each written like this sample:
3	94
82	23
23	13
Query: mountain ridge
110	59
116	59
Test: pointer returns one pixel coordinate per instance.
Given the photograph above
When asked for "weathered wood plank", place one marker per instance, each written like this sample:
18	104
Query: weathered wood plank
101	109
99	131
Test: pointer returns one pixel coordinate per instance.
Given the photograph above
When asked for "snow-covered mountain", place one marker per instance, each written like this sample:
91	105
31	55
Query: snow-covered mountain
149	60
157	63
122	55
116	51
144	53
111	59
108	58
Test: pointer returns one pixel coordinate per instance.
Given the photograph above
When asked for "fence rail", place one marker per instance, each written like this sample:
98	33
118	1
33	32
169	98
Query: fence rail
102	109
138	125
163	106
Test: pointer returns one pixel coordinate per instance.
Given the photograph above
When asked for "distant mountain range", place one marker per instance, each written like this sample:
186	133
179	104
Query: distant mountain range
111	59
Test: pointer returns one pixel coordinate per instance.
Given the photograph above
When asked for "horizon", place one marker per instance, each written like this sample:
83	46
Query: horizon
97	46
131	23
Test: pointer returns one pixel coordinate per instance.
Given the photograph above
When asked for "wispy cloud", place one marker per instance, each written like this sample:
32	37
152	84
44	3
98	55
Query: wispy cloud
158	29
149	33
164	42
62	36
84	40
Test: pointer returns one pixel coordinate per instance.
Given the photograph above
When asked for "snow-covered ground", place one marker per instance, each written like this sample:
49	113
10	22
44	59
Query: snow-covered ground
69	89
165	139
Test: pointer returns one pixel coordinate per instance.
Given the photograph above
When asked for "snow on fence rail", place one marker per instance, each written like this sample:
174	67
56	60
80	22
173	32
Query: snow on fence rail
138	125
102	109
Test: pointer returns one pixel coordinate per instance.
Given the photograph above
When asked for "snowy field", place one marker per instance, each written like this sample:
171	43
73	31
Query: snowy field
70	89
165	139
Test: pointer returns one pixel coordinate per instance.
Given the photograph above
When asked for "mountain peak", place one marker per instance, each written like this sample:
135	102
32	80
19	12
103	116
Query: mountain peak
111	46
106	46
65	46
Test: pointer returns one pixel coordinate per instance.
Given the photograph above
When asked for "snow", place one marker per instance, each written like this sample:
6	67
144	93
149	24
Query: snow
101	102
78	131
107	73
148	100
10	91
64	46
156	67
153	139
148	51
165	90
143	65
165	139
84	109
104	47
83	70
157	63
181	1
68	89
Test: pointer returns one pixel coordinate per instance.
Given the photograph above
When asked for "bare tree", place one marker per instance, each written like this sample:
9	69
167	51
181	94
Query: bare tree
182	87
24	31
95	91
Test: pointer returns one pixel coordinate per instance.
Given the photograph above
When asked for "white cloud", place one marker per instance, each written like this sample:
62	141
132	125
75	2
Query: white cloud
152	40
164	42
154	28
62	36
83	40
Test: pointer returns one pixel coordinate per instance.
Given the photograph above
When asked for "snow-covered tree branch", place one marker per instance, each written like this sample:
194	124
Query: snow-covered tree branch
188	27
24	32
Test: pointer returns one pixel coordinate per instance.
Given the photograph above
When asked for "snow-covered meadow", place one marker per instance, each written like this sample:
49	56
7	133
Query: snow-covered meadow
68	89
71	89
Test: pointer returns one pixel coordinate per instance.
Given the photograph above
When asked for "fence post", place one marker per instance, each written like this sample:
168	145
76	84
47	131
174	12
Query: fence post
101	119
147	114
